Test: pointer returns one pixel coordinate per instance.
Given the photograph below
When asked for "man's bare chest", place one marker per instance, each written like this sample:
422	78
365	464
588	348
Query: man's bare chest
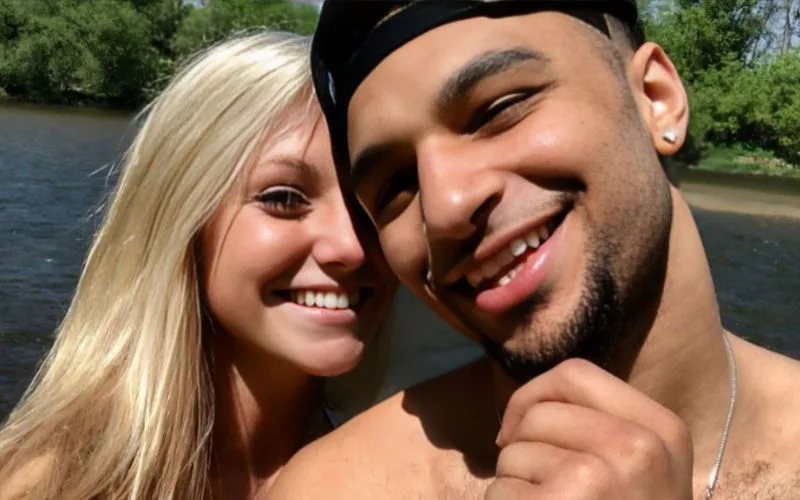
459	480
760	480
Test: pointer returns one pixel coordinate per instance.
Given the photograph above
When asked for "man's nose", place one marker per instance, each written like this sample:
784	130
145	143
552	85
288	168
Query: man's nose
457	190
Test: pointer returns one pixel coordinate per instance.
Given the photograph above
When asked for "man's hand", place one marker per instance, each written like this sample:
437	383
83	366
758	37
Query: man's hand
578	432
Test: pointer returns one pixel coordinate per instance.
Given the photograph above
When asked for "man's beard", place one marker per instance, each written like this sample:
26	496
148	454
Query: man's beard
591	333
613	315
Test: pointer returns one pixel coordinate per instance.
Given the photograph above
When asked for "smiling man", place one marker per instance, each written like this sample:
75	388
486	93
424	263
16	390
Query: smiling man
508	153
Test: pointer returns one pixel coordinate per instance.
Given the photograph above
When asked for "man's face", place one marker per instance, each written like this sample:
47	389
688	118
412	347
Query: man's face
508	161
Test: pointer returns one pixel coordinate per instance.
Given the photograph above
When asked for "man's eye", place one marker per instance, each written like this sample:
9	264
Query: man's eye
283	199
397	193
507	108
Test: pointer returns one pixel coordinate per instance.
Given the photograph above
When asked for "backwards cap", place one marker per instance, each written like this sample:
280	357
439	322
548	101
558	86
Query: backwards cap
354	36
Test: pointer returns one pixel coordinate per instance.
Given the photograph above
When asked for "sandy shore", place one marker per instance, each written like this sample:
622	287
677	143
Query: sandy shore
742	201
744	195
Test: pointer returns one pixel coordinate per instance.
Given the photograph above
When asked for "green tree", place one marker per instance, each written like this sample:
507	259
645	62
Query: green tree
218	19
13	17
166	17
739	94
701	35
42	61
119	52
120	40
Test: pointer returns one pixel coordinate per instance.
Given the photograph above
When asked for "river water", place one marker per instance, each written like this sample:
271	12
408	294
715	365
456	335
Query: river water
54	175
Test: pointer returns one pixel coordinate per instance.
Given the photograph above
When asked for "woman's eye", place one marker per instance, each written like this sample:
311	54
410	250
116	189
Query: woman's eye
283	199
504	107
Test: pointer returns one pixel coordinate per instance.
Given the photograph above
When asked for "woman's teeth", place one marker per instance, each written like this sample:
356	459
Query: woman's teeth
492	267
327	300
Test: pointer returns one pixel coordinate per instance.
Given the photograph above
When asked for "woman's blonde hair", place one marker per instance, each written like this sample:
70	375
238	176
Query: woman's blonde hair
122	406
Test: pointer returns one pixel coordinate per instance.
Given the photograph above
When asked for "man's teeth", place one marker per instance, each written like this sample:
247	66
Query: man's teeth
506	279
516	248
326	300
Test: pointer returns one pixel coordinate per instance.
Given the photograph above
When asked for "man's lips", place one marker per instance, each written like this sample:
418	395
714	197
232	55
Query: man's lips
532	271
496	252
513	274
503	265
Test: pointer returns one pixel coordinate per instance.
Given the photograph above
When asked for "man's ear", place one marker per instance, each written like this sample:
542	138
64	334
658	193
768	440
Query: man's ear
661	97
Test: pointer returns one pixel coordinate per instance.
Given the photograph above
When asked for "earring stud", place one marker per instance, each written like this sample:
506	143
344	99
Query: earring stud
670	136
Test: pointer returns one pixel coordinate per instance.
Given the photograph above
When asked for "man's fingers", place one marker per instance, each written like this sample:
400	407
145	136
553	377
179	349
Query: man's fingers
618	442
531	462
581	383
626	446
580	476
509	488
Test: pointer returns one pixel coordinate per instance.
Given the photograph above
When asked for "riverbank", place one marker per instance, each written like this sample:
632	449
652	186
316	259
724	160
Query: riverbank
22	109
737	160
741	193
76	101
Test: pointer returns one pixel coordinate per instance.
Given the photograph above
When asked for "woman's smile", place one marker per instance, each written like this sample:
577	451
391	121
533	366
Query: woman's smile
326	306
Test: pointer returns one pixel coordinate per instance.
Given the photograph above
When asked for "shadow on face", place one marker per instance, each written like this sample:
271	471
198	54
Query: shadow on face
286	273
519	167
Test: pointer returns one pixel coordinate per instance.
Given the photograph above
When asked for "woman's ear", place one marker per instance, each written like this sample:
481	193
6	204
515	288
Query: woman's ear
661	96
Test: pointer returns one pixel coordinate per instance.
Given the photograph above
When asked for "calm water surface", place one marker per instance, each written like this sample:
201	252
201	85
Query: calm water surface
54	174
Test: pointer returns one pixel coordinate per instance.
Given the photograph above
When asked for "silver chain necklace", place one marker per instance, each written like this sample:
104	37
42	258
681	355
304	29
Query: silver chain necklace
713	474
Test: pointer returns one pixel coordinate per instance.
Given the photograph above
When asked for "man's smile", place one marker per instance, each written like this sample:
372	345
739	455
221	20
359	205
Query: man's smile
509	268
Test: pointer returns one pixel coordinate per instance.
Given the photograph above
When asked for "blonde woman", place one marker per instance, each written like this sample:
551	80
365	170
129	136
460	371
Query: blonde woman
226	277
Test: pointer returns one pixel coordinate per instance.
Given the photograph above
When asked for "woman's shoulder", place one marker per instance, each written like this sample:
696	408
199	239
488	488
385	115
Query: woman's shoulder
28	478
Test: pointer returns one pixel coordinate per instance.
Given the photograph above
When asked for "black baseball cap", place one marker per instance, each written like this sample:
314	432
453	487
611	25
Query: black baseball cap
354	36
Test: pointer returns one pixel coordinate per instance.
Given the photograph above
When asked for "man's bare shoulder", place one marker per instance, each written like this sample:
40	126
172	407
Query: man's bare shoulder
367	457
765	459
768	381
384	453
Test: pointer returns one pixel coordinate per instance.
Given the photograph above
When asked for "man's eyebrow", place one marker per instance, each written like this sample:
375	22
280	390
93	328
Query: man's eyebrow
481	67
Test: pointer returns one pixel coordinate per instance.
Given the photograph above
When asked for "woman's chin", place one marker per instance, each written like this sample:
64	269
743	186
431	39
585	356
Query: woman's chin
335	360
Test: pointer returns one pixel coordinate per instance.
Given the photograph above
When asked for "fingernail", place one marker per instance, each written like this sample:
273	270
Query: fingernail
497	439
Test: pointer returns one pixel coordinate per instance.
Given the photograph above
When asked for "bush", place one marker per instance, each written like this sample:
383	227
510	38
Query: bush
740	92
220	18
119	52
758	107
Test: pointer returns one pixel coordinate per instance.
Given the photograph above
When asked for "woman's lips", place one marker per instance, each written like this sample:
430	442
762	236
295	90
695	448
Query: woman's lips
324	315
331	307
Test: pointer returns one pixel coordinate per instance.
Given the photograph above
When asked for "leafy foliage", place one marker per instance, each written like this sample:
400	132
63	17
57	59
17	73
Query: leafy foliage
740	72
221	17
118	52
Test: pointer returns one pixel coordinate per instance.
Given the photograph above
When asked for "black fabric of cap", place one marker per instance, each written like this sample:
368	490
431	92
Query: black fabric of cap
354	36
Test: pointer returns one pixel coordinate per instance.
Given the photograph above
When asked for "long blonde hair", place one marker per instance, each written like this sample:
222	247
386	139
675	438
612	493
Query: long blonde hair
122	406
